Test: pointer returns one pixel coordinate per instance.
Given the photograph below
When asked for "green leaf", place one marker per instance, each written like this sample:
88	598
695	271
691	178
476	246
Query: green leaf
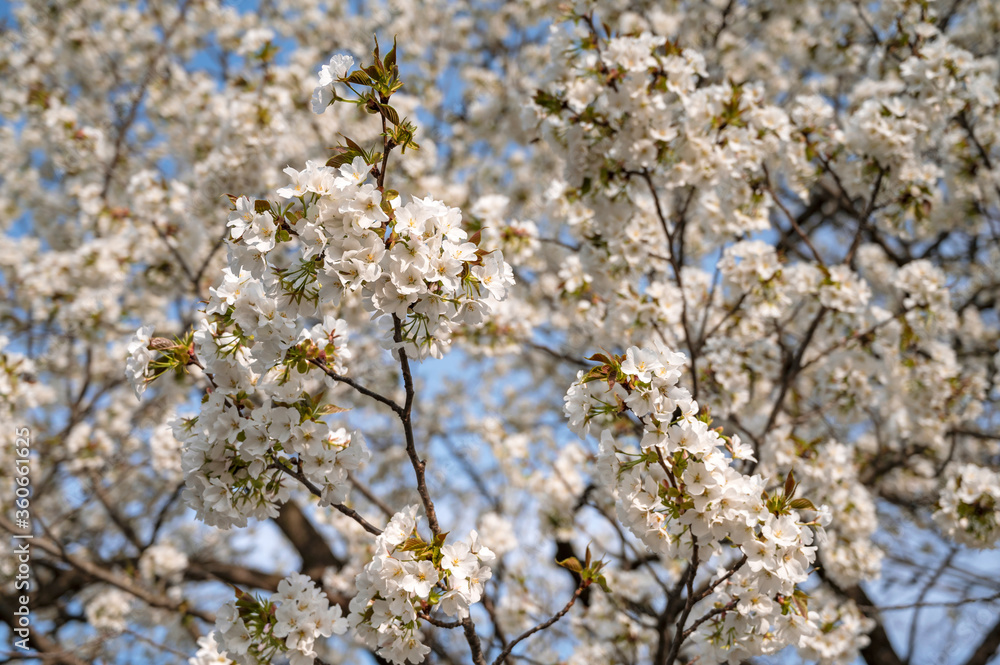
342	156
572	564
802	504
548	101
389	113
412	544
595	374
360	77
328	409
352	145
790	483
390	57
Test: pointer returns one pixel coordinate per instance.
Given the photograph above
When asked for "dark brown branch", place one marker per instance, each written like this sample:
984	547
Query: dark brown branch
940	604
198	571
732	571
469	628
208	259
137	99
117	518
372	498
307	540
987	648
791	219
728	607
437	622
419	465
315	491
934	578
675	645
558	355
676	259
791	371
102	572
357	386
856	242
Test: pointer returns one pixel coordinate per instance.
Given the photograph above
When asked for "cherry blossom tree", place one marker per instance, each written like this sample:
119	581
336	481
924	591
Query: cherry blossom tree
489	332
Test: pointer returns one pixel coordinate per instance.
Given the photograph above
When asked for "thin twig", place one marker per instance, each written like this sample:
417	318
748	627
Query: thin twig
542	626
791	219
368	494
792	370
357	386
437	622
316	491
728	607
732	571
951	603
101	571
419	465
679	634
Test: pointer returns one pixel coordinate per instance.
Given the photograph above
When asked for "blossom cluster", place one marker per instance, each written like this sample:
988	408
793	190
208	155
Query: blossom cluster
209	653
410	261
271	348
413	262
250	631
638	106
682	494
969	507
825	473
163	561
407	579
842	630
235	457
108	610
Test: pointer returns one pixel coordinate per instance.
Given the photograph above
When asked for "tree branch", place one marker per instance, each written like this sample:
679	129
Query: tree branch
542	626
